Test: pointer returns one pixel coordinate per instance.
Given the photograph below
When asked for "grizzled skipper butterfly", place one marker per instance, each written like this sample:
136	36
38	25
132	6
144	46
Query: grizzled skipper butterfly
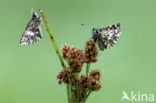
106	37
32	33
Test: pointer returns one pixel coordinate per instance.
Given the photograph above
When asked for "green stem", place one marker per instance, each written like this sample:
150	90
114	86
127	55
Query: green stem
53	40
87	68
71	88
56	49
87	96
78	93
68	94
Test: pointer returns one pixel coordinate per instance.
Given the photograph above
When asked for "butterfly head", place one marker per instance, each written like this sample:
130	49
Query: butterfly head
36	17
34	14
96	34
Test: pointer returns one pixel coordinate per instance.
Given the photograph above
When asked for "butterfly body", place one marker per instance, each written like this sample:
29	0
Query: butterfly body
32	33
106	37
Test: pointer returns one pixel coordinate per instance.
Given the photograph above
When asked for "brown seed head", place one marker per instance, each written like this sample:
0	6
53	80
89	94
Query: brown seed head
95	85
63	77
91	52
74	58
84	82
65	50
95	74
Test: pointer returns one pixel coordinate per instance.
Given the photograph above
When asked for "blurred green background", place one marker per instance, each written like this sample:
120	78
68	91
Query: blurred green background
28	73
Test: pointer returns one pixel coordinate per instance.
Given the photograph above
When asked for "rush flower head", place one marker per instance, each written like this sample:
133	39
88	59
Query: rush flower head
63	77
74	58
65	50
92	81
84	82
91	52
95	85
95	74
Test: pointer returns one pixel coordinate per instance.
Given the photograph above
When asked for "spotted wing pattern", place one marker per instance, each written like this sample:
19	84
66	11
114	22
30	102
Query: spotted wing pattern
32	33
106	37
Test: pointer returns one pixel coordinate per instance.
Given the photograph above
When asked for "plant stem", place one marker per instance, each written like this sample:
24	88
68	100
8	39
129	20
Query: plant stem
87	68
71	88
57	50
53	40
78	93
87	96
68	92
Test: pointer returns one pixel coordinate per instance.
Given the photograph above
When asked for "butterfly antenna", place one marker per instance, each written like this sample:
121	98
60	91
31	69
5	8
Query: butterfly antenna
32	10
38	11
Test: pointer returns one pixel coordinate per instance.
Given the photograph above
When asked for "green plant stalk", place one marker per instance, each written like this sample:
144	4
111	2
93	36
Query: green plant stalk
53	40
89	92
69	91
87	68
56	49
69	96
78	93
71	87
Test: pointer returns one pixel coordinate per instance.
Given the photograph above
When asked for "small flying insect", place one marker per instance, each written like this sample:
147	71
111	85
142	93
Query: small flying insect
82	24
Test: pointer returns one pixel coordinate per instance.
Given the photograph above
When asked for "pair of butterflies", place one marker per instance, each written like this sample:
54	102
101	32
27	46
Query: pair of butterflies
104	37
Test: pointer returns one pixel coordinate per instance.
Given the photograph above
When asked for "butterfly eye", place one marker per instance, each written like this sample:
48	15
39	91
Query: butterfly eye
95	31
34	14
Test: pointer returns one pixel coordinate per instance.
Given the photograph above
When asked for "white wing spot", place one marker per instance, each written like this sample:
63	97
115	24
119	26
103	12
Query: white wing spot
29	33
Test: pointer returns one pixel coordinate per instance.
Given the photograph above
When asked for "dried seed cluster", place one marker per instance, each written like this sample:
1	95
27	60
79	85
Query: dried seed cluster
91	82
63	77
74	58
91	52
95	74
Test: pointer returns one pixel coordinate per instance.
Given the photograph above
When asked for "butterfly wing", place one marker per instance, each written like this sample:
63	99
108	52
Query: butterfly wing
32	33
107	37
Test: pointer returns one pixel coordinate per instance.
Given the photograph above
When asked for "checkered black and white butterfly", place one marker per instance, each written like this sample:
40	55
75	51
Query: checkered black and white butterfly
106	37
32	33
